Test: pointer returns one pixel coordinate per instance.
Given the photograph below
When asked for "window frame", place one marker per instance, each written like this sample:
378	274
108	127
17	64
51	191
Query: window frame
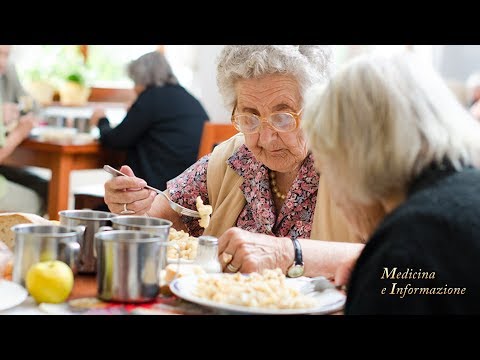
110	94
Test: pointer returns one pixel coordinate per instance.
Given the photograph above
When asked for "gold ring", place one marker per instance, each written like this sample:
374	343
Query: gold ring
232	268
227	257
126	211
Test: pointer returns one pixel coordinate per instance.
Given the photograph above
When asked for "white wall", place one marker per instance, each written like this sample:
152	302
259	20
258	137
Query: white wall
194	65
204	84
456	61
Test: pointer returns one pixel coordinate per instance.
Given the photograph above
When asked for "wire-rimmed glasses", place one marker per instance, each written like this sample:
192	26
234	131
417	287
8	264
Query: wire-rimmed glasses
280	121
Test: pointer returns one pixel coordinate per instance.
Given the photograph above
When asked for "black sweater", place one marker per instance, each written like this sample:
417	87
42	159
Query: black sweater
161	133
434	233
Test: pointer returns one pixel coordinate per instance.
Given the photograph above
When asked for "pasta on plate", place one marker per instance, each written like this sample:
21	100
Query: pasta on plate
186	244
266	290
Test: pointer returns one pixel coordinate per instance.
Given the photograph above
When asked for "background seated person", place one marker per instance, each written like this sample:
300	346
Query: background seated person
20	181
11	90
162	129
15	195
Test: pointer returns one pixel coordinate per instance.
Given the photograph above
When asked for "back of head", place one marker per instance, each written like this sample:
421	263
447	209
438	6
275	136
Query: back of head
308	64
151	69
382	120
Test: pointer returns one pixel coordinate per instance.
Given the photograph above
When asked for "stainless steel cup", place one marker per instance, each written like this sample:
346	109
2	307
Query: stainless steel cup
58	121
82	124
92	220
34	243
155	226
128	265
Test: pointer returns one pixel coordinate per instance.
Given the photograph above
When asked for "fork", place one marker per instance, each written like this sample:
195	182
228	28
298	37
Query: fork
319	284
177	208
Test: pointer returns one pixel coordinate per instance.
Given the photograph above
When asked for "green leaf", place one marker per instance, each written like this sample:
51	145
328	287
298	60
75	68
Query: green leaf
76	78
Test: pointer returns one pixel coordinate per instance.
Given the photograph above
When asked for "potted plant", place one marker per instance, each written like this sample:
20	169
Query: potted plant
74	91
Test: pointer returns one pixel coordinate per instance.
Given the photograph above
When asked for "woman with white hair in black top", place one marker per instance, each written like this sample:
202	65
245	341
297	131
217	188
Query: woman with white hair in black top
388	131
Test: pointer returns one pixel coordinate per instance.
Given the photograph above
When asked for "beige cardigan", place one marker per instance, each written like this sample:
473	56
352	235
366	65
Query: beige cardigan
227	199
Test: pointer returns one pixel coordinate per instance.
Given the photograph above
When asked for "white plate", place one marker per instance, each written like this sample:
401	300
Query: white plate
328	301
11	294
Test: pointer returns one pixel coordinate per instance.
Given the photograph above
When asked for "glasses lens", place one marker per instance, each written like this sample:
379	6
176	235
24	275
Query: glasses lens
247	123
283	121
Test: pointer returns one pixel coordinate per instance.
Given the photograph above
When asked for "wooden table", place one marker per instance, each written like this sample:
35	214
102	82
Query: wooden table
61	159
85	287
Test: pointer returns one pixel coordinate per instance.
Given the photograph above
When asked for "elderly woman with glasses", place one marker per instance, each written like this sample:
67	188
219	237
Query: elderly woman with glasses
261	183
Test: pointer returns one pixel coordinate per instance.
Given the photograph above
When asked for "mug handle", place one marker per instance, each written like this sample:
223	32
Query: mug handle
105	228
70	253
81	233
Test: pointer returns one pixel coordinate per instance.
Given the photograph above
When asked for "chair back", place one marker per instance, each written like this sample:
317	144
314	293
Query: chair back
212	135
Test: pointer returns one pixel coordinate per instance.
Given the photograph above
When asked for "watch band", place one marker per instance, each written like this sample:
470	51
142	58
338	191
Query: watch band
298	252
297	268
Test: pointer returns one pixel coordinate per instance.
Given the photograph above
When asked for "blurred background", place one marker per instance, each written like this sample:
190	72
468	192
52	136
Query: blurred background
100	70
102	67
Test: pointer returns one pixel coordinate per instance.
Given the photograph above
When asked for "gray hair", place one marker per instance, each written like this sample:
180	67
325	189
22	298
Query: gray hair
307	63
151	69
381	121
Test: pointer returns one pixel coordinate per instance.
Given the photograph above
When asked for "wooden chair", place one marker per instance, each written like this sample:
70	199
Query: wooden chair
212	135
89	196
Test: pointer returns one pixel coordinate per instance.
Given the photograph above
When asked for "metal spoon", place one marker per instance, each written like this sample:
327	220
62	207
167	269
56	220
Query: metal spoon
177	208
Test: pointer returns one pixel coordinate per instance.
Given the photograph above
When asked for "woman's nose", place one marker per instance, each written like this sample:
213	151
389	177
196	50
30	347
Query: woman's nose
266	132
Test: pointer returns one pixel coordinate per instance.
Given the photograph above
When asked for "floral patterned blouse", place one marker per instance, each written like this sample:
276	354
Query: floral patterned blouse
259	214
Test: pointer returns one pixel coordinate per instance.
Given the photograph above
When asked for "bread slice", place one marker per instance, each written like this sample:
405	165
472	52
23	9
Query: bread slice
184	270
168	274
6	261
7	220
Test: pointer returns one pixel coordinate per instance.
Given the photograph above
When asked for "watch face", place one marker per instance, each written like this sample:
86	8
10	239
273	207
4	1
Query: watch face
296	271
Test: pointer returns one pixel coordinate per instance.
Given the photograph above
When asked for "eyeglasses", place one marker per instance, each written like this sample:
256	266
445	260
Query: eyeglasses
279	121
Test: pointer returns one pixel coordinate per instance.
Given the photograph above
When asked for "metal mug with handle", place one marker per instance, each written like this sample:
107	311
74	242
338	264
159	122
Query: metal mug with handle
129	266
155	226
35	243
92	220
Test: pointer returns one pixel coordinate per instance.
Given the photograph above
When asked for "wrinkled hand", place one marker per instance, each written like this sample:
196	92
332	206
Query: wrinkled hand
129	190
253	252
10	113
97	114
344	270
